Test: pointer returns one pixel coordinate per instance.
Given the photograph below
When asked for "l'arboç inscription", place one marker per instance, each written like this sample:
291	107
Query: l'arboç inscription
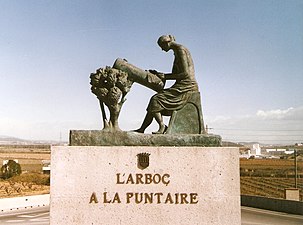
144	197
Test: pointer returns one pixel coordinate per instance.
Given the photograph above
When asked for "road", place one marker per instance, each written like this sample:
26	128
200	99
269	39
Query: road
36	216
250	216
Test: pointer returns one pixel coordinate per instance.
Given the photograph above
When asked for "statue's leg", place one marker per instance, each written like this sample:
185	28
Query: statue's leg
162	126
146	122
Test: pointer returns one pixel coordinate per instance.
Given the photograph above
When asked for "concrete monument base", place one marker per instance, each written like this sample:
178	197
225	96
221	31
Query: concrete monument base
114	185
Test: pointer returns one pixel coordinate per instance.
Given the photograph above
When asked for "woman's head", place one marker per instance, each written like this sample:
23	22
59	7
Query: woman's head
165	41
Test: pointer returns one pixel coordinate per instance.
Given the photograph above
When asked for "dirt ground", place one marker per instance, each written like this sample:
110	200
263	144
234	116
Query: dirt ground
10	189
31	182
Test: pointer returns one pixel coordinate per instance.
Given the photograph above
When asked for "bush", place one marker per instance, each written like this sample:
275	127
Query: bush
10	169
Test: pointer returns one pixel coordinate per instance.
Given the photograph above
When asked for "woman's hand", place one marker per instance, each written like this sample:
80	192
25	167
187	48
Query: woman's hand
158	74
153	72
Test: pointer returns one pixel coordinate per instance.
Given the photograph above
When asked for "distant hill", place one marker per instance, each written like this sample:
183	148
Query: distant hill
8	140
231	144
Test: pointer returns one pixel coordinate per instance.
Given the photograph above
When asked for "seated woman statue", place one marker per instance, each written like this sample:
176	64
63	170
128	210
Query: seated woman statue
175	97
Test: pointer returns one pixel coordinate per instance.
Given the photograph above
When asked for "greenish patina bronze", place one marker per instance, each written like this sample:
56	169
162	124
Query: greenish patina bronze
110	86
169	101
181	102
189	119
122	138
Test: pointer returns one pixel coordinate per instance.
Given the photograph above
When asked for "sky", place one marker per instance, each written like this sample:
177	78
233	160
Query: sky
248	57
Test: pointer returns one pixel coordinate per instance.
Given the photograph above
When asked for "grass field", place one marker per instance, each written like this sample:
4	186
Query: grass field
269	167
24	185
30	162
31	181
268	187
269	177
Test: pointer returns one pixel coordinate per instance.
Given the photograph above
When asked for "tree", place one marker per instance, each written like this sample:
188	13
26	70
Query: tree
10	169
110	86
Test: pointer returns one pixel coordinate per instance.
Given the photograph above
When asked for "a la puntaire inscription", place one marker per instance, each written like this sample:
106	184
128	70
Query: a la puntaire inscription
143	197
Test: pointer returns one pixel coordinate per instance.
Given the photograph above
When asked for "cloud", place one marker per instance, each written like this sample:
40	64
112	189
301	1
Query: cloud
274	114
282	114
277	126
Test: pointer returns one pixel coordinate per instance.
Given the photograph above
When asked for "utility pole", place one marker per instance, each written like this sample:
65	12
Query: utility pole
296	168
207	129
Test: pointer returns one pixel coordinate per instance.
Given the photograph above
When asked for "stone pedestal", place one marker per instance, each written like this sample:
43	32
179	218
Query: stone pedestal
123	138
112	185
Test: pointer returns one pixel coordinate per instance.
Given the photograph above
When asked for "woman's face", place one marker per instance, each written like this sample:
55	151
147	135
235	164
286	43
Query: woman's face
164	45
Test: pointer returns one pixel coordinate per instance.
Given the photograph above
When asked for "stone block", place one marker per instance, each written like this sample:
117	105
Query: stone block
292	194
112	185
122	138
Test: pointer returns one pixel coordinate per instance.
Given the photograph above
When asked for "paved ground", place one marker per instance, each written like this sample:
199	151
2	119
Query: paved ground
36	216
250	216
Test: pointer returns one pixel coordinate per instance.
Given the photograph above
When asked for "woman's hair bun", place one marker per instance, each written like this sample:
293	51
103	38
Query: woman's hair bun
172	38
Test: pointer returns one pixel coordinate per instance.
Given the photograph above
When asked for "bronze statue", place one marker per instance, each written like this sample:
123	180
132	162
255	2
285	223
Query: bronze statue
110	86
143	77
175	97
181	101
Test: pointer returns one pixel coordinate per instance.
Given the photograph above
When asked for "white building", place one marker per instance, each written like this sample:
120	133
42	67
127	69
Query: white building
256	150
279	151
